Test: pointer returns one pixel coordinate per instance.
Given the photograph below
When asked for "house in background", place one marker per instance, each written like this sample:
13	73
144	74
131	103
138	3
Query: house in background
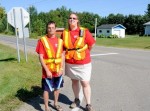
59	31
147	28
111	29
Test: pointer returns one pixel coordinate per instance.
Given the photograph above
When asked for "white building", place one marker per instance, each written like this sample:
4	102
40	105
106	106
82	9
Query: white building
111	29
147	28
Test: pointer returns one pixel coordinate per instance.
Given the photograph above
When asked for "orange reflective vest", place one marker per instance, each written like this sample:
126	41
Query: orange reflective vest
76	50
54	58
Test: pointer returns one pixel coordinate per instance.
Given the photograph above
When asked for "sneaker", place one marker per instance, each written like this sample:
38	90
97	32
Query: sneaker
76	103
89	108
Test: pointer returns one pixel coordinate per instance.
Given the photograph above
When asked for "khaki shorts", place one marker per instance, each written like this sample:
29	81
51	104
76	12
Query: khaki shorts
78	72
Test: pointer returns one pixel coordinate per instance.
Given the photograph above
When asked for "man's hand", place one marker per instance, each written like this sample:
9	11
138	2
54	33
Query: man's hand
60	72
49	74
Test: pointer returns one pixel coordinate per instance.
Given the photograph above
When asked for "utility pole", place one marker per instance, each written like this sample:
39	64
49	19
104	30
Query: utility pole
7	26
95	27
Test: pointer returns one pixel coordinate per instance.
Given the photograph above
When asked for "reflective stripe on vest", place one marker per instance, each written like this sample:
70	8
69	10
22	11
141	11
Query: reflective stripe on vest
54	59
76	50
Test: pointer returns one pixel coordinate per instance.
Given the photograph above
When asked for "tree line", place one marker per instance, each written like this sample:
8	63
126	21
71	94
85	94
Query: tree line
133	23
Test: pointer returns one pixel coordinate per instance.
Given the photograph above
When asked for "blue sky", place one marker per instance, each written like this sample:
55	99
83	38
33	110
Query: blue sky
101	7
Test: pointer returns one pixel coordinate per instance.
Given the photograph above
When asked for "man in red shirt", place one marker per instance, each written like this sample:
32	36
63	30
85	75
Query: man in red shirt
50	50
78	42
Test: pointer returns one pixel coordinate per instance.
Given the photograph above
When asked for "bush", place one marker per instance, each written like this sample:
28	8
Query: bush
101	36
2	27
141	33
113	36
8	32
110	36
34	35
147	35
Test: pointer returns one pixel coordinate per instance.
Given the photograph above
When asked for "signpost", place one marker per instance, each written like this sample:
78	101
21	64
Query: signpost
19	18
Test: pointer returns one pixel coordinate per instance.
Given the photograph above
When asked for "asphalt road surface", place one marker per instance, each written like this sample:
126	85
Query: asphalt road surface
120	80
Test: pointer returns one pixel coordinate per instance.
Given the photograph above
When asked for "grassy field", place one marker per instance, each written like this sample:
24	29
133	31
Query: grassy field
18	81
129	42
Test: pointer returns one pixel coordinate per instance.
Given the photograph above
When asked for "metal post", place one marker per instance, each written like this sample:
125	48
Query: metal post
29	22
16	31
7	26
95	27
24	39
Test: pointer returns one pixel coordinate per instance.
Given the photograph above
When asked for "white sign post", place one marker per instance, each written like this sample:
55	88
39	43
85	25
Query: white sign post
18	18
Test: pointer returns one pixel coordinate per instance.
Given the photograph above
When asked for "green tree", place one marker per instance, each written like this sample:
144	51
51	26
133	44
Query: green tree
148	11
43	16
115	19
33	17
40	28
2	12
133	23
55	15
3	22
64	13
98	19
88	20
103	21
111	18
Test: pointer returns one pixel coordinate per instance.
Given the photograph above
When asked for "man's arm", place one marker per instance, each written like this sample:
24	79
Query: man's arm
49	74
62	64
90	47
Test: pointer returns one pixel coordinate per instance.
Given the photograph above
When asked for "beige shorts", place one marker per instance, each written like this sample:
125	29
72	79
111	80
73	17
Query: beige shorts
78	72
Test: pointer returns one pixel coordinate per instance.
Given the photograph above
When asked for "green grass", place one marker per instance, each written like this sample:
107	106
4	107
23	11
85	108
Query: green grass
18	81
129	42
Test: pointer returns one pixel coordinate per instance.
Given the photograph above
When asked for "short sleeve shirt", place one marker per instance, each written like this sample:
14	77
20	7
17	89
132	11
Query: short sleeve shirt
89	40
41	50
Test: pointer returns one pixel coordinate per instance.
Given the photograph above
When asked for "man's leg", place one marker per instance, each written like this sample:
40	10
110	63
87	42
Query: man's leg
56	95
46	98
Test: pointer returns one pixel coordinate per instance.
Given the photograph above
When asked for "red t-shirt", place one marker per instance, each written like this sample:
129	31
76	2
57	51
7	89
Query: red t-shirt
89	40
41	50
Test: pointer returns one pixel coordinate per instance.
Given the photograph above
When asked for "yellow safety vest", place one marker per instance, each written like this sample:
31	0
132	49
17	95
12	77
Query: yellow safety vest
54	58
76	50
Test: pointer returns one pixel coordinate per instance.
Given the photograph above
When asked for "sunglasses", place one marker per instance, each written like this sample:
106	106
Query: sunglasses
73	18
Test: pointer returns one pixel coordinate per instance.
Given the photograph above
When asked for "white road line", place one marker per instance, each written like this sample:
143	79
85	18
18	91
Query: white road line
81	99
103	54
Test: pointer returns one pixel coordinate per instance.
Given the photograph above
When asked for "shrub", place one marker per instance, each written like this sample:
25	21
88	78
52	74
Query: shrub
9	32
34	35
141	33
101	36
113	36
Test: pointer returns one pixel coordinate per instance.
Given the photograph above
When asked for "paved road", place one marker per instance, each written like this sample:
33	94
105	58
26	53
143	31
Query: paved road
120	81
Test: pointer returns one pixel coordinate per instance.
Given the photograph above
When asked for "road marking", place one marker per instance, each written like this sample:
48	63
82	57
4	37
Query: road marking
81	99
103	54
